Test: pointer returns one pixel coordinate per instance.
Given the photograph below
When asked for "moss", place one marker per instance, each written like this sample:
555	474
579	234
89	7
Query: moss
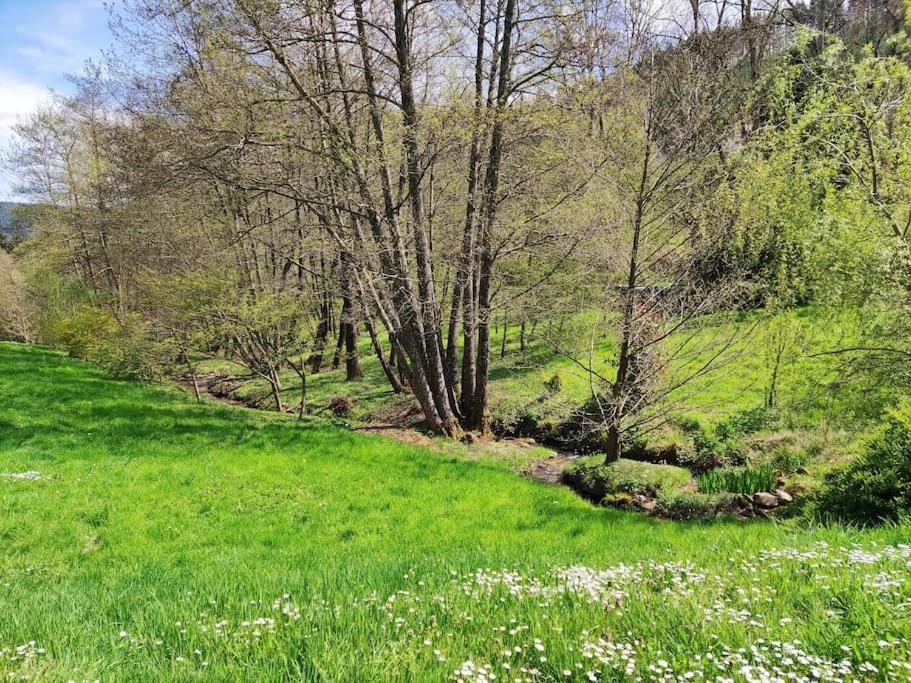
595	480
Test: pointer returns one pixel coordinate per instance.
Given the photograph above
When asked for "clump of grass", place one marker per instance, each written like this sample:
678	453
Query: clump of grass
595	480
746	480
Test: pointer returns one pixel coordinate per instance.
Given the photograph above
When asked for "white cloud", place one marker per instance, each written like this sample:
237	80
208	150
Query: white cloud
42	46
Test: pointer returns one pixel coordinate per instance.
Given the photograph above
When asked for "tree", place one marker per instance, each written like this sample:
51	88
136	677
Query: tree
672	111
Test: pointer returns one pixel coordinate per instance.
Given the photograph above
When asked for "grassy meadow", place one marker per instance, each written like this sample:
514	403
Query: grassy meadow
148	538
519	378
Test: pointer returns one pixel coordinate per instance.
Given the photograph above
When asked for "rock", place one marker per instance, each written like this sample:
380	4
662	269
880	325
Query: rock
783	496
648	505
764	499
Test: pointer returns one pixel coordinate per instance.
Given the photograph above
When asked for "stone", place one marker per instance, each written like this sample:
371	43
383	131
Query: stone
764	499
783	496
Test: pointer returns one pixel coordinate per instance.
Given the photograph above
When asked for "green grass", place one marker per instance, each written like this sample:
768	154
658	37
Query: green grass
519	379
591	477
160	533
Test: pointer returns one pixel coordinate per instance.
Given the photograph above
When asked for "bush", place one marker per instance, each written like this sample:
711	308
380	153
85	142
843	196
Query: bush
726	443
554	385
123	349
595	480
85	330
747	480
876	486
689	424
688	505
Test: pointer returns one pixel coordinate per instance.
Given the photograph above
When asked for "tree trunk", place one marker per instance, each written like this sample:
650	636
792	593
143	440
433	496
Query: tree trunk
620	388
352	364
385	363
464	273
276	386
322	335
480	417
612	445
503	340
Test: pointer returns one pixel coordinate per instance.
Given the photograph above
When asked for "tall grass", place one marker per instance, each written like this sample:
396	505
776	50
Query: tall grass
747	480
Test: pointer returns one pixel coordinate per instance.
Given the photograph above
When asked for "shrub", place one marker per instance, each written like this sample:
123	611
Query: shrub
789	459
596	480
85	330
748	480
689	424
554	385
876	486
125	349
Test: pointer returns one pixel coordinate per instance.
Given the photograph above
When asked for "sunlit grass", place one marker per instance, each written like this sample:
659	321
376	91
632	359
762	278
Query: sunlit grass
160	533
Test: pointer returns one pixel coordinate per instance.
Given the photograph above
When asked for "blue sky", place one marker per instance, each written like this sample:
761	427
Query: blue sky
40	42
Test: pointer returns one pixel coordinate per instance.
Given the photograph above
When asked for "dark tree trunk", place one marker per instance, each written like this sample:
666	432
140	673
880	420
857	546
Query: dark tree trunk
276	386
386	364
612	444
352	363
480	416
503	340
462	294
322	336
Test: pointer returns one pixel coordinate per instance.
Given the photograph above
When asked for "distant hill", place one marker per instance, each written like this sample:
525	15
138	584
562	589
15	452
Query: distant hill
15	225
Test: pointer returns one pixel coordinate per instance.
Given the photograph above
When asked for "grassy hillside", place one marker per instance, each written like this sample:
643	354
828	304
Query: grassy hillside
537	385
146	538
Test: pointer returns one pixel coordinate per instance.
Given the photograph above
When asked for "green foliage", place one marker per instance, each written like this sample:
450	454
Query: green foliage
126	349
700	447
746	422
85	331
876	486
747	480
554	385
